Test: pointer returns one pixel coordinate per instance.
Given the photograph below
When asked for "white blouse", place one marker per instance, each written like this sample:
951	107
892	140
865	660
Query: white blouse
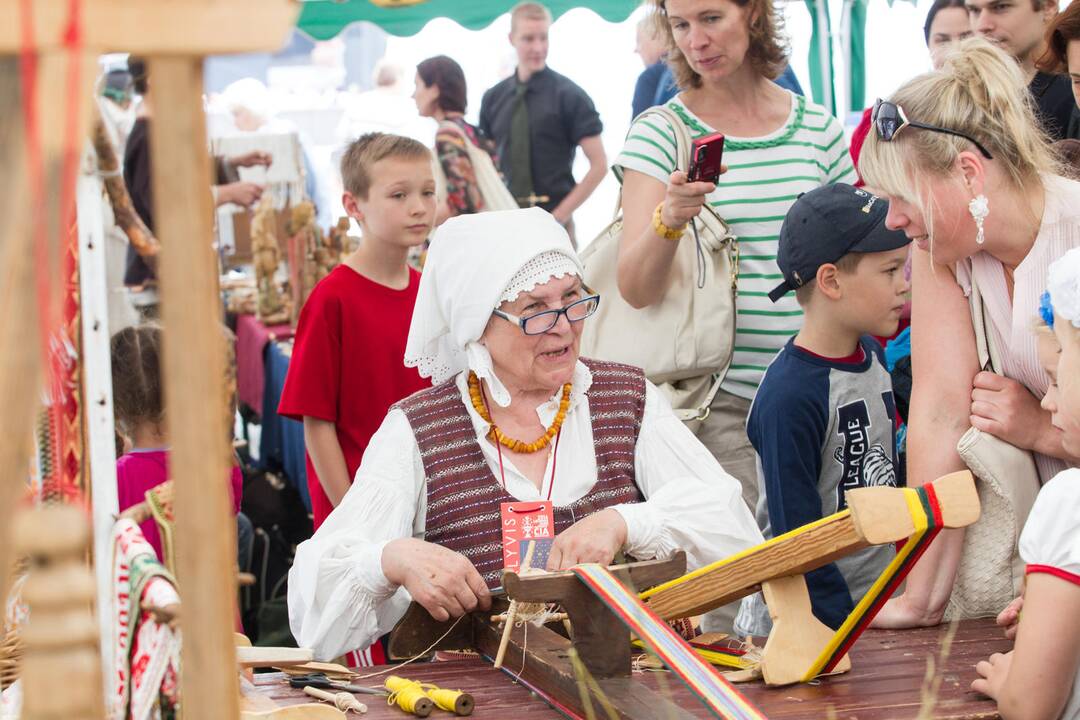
339	598
1051	539
1011	321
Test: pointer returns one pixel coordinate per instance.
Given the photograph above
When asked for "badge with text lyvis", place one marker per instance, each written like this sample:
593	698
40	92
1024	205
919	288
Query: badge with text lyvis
525	523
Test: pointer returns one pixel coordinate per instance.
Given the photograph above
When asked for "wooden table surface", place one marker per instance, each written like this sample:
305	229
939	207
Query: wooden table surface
886	683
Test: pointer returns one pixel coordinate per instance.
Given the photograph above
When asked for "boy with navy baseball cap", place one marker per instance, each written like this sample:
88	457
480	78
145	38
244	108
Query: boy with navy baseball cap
823	420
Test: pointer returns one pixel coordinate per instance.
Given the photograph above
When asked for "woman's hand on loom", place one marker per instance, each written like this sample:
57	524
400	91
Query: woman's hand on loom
1009	618
992	674
443	581
1004	408
595	539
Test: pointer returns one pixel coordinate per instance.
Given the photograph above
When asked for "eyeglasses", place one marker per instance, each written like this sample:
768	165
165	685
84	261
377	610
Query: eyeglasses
541	322
889	119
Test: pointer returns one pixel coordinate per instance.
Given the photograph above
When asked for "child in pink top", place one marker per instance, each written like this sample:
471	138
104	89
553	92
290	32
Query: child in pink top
140	415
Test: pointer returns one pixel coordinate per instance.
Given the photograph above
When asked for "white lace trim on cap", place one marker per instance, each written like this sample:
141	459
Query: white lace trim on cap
541	269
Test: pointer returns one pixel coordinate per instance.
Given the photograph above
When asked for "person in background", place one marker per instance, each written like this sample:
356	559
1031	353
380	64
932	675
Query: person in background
1063	48
1040	676
1019	27
252	108
440	94
823	422
138	275
657	77
538	118
779	145
139	407
655	85
347	363
946	25
976	187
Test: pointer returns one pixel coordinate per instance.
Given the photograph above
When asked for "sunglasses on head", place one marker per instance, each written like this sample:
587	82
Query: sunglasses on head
889	119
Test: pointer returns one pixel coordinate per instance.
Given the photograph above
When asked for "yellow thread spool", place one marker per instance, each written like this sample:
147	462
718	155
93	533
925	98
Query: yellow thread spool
455	701
409	696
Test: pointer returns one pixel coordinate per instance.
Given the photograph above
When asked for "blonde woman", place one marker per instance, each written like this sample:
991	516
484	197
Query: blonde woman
725	55
972	180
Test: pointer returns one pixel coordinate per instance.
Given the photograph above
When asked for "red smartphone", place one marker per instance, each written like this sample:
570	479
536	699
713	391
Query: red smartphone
706	155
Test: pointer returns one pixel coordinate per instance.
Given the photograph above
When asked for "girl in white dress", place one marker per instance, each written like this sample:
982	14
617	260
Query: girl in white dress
1039	677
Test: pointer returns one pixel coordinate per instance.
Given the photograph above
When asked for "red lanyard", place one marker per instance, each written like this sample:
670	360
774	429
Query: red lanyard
498	449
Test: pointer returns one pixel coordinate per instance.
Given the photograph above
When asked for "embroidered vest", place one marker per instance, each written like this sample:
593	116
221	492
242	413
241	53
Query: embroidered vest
463	494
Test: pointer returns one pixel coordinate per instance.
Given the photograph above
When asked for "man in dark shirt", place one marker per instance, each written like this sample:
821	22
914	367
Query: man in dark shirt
1019	28
553	116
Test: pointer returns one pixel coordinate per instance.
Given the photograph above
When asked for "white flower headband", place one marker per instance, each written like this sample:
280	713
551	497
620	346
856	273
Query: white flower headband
1063	285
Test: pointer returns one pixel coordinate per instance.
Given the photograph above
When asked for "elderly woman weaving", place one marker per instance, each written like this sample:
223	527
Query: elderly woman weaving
515	415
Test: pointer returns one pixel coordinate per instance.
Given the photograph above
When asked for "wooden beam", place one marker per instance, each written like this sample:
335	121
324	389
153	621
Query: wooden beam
740	575
551	587
883	517
19	366
170	27
194	369
58	125
100	451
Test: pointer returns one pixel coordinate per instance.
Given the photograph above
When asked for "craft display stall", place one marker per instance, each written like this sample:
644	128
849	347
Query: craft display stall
896	675
581	666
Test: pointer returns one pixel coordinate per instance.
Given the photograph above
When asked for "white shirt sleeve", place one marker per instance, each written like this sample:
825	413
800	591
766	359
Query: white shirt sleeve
339	599
1051	535
691	503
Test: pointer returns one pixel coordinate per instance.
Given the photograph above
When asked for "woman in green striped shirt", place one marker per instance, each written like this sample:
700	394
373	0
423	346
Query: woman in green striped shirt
724	54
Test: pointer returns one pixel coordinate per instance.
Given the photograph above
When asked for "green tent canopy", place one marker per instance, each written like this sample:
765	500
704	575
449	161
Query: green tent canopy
324	19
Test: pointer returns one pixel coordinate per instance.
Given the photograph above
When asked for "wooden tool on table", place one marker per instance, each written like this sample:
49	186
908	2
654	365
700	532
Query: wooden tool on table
342	700
799	646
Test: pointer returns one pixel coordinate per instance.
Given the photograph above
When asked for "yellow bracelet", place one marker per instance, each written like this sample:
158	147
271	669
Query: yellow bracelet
663	230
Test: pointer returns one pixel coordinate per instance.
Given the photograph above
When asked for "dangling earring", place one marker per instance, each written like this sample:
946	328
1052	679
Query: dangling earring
979	207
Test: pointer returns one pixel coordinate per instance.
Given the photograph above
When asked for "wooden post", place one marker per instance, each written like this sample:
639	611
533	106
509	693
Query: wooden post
18	321
193	359
100	451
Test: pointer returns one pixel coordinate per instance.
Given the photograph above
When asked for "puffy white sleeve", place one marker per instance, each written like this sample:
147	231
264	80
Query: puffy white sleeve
691	503
339	599
1050	541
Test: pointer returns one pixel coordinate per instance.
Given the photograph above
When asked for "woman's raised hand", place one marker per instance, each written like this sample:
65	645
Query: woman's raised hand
443	581
683	200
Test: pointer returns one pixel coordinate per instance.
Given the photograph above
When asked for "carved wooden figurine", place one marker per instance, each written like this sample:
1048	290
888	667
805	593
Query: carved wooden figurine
273	306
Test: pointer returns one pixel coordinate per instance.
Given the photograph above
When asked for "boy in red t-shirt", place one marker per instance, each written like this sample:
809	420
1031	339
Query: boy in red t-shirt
347	365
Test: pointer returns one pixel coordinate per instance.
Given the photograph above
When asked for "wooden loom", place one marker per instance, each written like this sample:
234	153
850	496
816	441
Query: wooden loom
48	54
799	647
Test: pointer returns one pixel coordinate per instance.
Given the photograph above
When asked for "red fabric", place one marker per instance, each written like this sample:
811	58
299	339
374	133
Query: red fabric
347	364
905	323
143	470
853	359
858	137
251	339
1055	571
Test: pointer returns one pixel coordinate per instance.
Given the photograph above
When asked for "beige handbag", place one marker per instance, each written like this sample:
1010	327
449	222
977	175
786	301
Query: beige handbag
492	188
684	343
991	571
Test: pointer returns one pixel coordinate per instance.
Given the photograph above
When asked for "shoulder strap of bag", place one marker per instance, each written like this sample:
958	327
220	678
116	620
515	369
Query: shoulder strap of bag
988	355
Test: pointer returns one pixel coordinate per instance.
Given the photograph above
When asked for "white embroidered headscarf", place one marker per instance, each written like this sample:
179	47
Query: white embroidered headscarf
475	263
